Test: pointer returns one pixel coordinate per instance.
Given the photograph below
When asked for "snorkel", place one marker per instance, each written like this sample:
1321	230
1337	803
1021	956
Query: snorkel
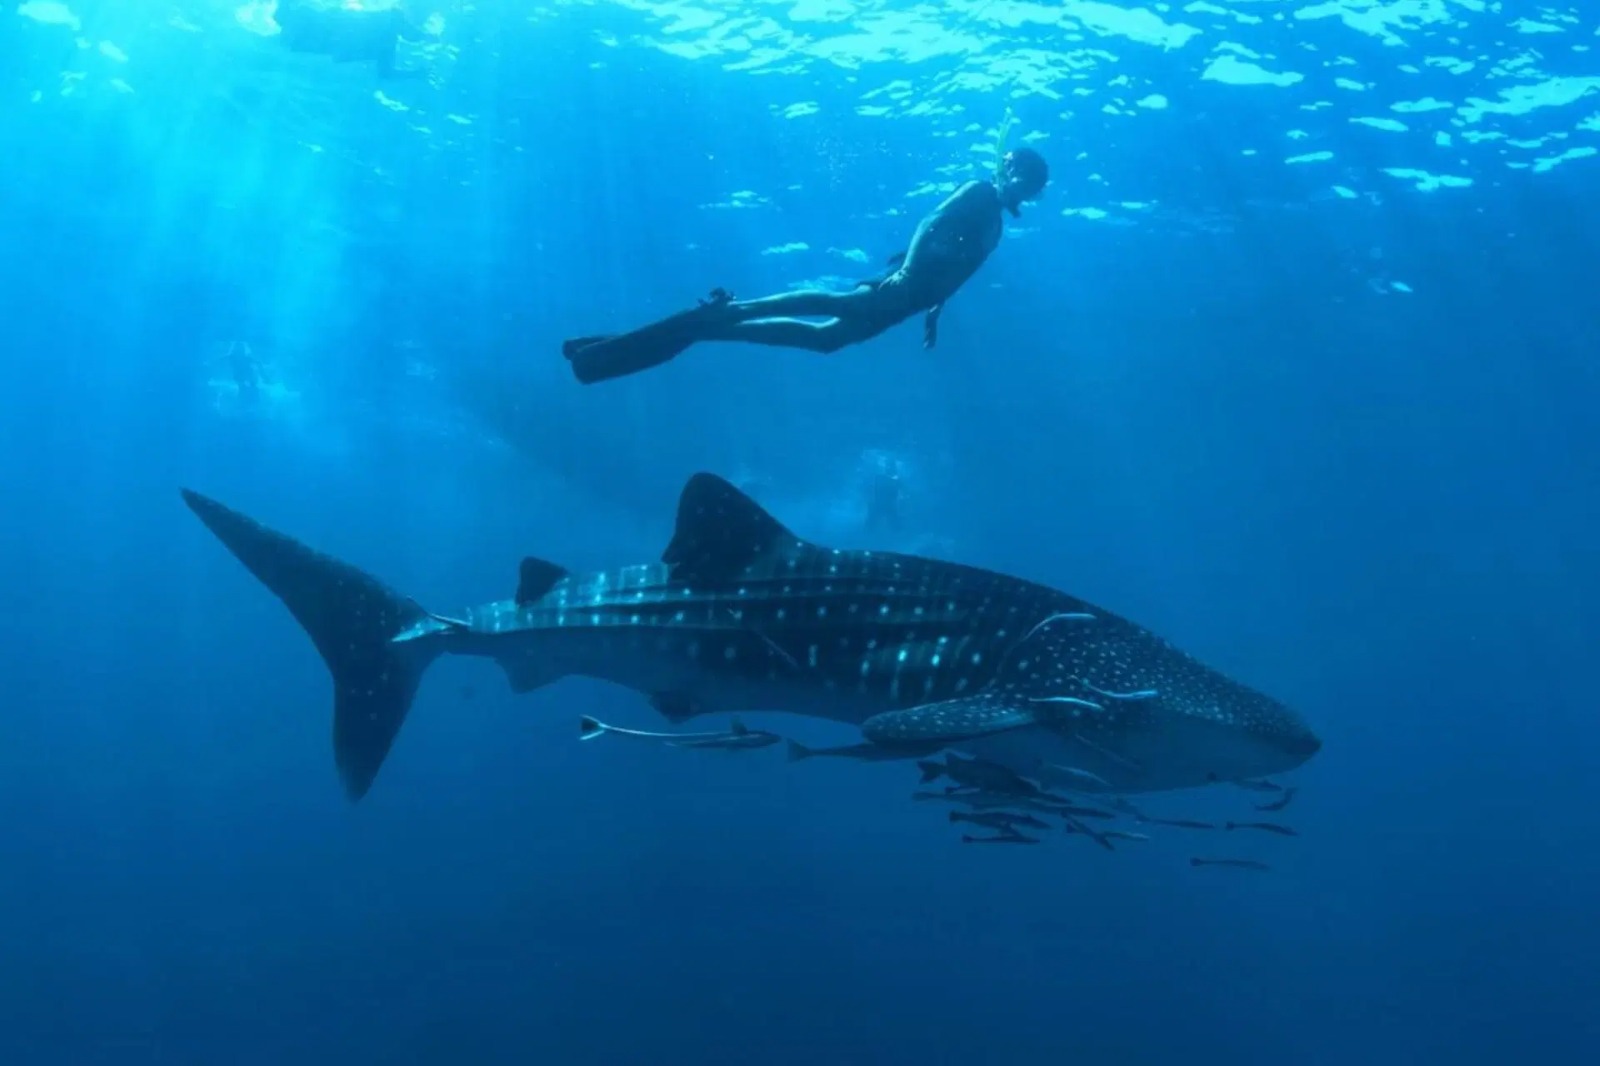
1002	176
1000	138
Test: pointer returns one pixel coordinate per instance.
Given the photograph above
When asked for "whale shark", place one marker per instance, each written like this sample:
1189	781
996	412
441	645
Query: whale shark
741	614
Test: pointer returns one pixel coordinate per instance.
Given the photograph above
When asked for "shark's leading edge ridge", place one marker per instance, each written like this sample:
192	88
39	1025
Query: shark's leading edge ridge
742	615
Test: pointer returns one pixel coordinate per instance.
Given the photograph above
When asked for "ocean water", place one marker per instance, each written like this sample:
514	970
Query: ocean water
1294	363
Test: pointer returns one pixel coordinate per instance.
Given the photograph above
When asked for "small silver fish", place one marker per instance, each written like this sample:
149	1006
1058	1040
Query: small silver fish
1266	827
1249	785
1124	805
1075	826
987	801
1073	773
1072	810
1280	803
1238	864
1123	834
978	774
1178	823
865	752
1003	838
1004	821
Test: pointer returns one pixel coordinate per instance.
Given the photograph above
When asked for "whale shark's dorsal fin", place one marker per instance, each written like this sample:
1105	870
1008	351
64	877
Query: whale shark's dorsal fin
535	578
720	531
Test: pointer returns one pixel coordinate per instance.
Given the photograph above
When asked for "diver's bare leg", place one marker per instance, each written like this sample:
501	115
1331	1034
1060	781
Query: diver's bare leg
802	303
822	337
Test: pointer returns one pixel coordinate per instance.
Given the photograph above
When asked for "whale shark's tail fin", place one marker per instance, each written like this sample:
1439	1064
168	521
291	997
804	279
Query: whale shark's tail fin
352	618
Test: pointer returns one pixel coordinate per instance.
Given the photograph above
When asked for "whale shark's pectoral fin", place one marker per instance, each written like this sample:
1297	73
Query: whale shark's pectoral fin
948	721
1032	689
951	721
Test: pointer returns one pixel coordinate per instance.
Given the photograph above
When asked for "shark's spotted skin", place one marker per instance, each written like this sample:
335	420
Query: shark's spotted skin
741	614
949	721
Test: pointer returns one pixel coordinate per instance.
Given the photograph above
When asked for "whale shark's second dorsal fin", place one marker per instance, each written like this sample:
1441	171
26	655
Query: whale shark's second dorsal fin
720	531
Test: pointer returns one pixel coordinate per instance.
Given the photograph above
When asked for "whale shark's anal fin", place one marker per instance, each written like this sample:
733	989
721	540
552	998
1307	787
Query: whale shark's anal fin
721	532
352	618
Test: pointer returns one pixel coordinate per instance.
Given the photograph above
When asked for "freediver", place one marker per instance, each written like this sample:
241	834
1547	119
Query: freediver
947	248
885	497
347	34
245	370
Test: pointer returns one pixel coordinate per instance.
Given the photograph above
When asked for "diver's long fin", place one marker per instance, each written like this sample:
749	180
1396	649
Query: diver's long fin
352	618
720	532
574	345
537	577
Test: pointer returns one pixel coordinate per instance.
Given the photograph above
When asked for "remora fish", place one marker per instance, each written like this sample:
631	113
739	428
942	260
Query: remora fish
1075	826
740	614
1252	786
866	752
1004	821
979	775
1071	778
738	736
1180	823
1280	803
1237	864
1003	838
1266	827
987	801
1072	810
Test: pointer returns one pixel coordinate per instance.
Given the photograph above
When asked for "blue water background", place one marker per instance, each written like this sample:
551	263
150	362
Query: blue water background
1341	446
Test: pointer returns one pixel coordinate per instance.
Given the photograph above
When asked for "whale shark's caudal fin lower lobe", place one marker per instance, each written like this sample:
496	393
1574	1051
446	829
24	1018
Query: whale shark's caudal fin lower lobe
352	618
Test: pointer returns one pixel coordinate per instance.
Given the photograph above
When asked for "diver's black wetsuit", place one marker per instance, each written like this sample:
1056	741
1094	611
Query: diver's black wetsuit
948	247
884	502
